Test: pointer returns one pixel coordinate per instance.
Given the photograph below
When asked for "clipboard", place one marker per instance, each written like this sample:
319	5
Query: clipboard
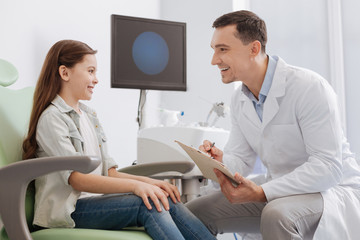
206	164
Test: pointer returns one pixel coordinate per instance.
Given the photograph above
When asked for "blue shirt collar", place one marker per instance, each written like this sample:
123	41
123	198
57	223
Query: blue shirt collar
269	75
265	88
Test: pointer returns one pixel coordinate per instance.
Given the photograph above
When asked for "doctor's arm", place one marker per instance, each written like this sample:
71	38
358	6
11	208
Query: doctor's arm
238	155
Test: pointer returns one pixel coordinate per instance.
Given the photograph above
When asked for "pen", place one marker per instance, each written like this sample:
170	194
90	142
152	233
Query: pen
212	145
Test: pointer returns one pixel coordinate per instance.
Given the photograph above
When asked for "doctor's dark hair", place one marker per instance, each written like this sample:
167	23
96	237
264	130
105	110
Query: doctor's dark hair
249	26
67	53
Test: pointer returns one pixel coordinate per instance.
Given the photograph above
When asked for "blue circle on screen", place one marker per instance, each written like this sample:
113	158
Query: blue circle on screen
150	53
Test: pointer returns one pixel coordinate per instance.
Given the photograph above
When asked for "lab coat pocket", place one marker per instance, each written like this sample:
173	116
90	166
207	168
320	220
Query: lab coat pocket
288	140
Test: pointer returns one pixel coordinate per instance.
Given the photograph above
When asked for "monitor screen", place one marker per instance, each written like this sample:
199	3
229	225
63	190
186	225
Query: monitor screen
148	54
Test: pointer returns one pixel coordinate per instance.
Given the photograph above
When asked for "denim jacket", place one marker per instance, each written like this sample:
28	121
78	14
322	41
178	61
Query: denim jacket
58	134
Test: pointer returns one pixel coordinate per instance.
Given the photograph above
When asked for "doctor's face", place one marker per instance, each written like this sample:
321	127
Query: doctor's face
232	57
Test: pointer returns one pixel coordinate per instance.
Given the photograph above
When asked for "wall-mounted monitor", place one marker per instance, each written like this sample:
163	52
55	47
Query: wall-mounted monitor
148	53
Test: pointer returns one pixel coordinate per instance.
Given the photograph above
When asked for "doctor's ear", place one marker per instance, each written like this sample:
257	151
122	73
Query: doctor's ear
255	48
64	73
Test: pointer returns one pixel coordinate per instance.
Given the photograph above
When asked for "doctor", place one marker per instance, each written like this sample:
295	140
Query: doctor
289	117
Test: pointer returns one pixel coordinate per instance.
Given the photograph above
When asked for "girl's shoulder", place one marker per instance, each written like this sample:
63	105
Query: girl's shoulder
51	110
54	114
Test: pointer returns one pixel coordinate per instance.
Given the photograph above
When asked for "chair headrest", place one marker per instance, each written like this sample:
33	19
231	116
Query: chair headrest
8	73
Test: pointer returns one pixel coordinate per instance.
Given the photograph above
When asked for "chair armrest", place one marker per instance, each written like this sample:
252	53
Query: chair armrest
16	177
148	169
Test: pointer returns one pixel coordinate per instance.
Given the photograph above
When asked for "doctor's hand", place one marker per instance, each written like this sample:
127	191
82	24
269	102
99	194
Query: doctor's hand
246	191
213	151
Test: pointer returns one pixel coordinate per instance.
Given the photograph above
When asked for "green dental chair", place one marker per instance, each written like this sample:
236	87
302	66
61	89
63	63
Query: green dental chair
17	190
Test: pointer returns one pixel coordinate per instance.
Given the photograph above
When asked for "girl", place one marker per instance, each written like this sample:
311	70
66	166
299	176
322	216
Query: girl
62	126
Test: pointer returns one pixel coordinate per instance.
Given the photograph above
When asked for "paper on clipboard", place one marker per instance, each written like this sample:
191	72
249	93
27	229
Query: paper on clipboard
206	164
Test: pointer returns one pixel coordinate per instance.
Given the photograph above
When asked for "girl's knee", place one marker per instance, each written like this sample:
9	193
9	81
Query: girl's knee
177	205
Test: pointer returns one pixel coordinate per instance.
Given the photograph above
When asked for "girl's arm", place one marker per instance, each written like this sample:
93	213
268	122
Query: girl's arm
169	189
102	184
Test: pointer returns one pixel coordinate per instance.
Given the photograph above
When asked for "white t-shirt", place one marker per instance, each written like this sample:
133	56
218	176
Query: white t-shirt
91	147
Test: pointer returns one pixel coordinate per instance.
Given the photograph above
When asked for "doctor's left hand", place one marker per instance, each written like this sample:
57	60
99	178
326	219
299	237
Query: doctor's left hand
168	189
246	191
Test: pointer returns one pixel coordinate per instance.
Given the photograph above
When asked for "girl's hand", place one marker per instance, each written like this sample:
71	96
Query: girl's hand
169	189
155	193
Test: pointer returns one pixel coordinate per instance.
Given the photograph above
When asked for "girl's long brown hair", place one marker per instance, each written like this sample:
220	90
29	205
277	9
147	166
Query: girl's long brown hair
67	53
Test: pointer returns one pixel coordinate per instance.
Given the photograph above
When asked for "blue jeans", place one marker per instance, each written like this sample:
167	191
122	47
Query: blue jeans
117	211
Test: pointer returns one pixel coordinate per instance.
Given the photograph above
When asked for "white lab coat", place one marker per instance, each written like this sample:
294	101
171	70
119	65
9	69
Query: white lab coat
301	143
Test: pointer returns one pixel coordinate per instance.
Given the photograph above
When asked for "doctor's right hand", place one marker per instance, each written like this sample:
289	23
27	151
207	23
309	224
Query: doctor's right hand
212	150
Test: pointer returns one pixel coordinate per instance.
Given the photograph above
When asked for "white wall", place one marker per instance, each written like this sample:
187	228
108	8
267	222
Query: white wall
351	36
297	32
203	79
29	28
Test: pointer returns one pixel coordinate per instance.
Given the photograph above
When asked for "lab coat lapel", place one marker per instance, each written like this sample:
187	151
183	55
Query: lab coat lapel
249	111
277	91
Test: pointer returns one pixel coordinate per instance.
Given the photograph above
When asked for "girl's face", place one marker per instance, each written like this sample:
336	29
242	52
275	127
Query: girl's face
82	78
